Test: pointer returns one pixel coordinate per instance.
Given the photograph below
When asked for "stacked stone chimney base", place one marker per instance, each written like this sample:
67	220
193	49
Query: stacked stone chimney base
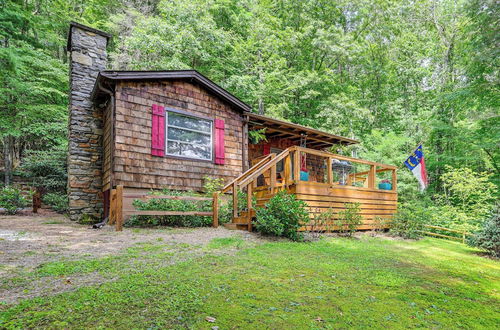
88	57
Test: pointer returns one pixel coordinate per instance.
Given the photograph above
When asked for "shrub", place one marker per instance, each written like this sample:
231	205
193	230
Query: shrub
488	237
47	170
11	199
409	220
282	215
172	205
349	219
211	185
57	201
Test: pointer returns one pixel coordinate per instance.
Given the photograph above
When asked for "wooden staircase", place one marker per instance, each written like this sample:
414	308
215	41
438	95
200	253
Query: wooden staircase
242	221
248	182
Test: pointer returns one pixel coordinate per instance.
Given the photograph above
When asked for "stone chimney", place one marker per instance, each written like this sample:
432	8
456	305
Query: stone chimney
87	47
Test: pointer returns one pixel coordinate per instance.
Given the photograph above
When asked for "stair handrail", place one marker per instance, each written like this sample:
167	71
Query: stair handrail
246	173
265	167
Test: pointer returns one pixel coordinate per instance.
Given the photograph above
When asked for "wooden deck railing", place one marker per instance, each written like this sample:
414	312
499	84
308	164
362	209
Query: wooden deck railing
121	206
291	175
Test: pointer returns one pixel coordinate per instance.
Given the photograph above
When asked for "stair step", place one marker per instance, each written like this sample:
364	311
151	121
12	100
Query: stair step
236	226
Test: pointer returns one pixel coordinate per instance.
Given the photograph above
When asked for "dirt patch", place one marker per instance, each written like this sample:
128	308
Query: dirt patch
29	241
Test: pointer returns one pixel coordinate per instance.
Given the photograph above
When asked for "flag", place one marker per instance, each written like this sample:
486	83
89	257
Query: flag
416	164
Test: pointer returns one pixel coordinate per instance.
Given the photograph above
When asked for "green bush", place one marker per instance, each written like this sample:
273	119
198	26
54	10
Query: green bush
57	201
11	199
282	215
171	205
349	219
488	237
46	169
409	220
211	185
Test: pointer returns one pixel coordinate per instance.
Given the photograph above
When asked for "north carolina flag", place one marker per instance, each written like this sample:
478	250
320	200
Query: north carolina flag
416	164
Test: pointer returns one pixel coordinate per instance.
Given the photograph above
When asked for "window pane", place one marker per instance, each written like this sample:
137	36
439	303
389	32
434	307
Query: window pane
189	122
188	136
195	151
173	148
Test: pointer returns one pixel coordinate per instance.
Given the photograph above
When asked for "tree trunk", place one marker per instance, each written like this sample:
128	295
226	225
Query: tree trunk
7	146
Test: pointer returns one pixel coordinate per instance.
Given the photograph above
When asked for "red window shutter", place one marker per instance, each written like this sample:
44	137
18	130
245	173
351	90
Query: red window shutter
219	142
267	149
158	131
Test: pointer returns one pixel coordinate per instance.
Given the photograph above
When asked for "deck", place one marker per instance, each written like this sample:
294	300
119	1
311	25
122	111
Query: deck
327	189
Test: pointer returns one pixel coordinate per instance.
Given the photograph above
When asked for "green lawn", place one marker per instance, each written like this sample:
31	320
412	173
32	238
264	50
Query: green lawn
334	283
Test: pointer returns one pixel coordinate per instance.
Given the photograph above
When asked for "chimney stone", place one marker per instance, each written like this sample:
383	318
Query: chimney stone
87	47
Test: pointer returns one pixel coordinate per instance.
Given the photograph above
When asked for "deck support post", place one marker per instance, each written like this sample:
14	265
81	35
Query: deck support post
119	208
371	177
215	210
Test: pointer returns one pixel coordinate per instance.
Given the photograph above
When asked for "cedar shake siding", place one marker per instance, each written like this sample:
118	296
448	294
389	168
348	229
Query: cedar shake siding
135	166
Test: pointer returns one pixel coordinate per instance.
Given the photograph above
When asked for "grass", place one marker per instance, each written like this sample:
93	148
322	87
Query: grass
333	283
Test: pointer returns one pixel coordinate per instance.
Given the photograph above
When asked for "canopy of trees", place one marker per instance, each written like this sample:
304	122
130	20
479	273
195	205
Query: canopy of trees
391	73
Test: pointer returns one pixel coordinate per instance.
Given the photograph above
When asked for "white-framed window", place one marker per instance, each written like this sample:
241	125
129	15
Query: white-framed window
188	136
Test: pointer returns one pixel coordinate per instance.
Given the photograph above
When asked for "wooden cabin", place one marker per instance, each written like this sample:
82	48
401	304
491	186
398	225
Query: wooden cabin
144	130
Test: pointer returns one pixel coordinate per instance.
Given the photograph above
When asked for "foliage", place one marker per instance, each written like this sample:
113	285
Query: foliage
349	219
172	205
469	192
321	222
488	237
226	206
57	201
11	199
282	215
409	220
211	185
46	169
257	135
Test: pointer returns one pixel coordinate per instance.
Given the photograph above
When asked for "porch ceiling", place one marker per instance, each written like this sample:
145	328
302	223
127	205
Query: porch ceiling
281	129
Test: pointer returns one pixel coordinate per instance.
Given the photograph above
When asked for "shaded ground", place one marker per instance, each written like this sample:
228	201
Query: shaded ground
29	242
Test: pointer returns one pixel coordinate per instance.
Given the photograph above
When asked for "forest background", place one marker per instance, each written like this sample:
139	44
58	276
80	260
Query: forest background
392	74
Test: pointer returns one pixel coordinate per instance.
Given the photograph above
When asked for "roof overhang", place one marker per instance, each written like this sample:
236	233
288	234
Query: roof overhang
315	139
110	77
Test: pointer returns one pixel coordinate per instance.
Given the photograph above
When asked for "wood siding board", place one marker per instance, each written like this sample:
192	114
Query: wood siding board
135	167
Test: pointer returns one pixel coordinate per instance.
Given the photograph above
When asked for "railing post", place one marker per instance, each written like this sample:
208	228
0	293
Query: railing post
273	175
394	180
329	170
288	170
249	206
296	166
235	200
371	177
215	210
119	208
